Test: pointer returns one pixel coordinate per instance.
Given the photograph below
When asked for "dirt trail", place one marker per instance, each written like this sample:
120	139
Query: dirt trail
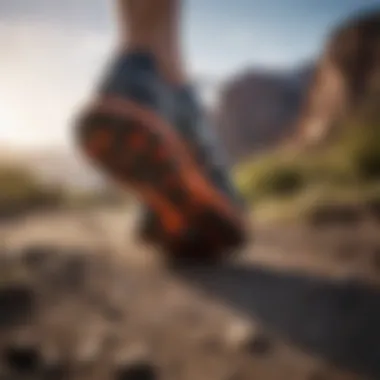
104	303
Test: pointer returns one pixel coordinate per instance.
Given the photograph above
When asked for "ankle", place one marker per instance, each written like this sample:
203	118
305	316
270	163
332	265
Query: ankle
132	45
175	77
171	69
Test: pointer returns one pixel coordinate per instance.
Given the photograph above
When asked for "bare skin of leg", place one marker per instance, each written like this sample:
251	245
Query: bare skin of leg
154	25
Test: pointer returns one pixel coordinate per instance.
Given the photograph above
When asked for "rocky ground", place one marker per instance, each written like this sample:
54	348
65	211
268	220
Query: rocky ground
81	299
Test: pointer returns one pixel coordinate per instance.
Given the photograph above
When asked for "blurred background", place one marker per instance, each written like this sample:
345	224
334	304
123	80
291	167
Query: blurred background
293	88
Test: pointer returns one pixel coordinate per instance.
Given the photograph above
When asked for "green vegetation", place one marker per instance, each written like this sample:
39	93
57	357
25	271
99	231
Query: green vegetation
287	184
89	199
21	191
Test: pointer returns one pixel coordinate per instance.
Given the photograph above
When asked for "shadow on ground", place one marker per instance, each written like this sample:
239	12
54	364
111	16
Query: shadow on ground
336	320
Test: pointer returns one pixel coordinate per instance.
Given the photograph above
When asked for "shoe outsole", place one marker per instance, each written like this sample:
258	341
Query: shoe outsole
137	149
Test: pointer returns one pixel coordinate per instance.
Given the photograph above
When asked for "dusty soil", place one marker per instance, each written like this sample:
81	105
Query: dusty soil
81	299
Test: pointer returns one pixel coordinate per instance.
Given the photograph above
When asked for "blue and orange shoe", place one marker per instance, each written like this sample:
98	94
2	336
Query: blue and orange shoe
190	121
128	132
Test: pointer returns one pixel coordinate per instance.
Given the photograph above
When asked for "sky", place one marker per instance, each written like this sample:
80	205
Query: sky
52	51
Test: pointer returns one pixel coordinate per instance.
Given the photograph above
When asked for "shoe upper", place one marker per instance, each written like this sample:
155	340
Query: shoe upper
135	76
193	124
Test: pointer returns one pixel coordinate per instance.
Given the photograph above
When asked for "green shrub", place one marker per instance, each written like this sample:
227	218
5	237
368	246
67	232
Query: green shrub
21	190
270	176
281	181
360	146
350	163
368	165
